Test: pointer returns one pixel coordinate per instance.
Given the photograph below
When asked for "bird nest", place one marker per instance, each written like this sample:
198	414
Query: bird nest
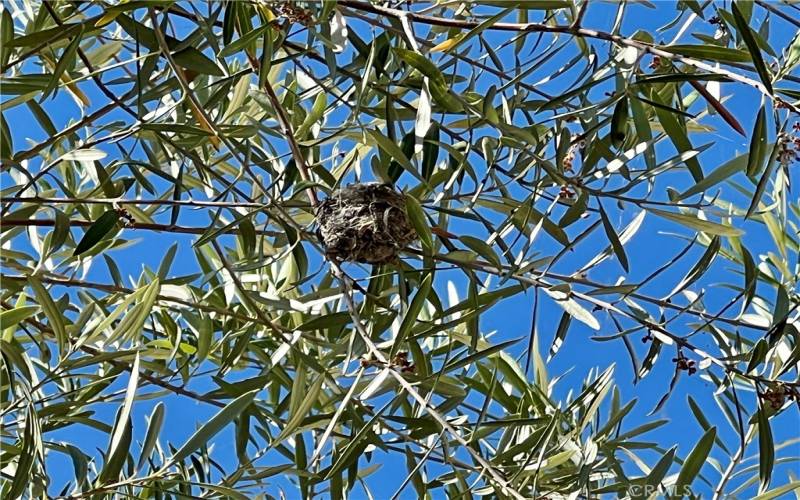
364	223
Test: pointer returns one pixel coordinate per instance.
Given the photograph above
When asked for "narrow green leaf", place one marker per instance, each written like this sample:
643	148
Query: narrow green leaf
703	421
619	122
97	231
355	444
750	278
210	429
758	144
561	334
659	471
438	85
572	307
242	436
27	456
482	248
50	36
229	22
114	461
650	358
757	355
792	55
423	64
66	59
309	399
166	263
247	233
90	335
680	77
120	441
131	325
12	317
472	358
752	46
430	151
766	450
700	267
6	36
316	113
53	313
113	270
575	210
677	134
213	232
483	26
644	132
187	57
244	41
6	139
417	217
697	223
60	231
779	491
407	147
695	461
713	53
722	173
763	180
394	152
414	308
151	437
619	249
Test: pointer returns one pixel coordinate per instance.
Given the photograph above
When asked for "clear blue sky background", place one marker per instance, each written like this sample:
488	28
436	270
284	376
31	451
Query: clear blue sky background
510	319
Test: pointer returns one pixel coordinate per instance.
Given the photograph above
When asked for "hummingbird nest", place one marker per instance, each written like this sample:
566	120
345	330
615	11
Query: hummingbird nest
364	223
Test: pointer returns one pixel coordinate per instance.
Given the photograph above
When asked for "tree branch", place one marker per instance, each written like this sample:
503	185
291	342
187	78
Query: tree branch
147	226
575	31
122	201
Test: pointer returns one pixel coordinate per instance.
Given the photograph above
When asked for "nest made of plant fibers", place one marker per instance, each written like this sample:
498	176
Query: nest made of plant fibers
364	223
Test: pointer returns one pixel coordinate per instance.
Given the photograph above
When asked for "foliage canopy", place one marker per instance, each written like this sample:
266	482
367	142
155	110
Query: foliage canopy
535	142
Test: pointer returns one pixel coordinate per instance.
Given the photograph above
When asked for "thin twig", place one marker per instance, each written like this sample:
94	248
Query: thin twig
147	226
379	356
123	201
575	31
778	12
286	128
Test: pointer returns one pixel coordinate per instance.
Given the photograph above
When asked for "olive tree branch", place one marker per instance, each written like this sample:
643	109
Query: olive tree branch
378	355
147	226
656	50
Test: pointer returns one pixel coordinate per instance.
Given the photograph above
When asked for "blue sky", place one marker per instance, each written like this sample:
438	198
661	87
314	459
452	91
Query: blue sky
510	319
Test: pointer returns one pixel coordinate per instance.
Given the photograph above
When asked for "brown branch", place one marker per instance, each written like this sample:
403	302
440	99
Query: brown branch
286	128
778	12
575	31
120	201
147	226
